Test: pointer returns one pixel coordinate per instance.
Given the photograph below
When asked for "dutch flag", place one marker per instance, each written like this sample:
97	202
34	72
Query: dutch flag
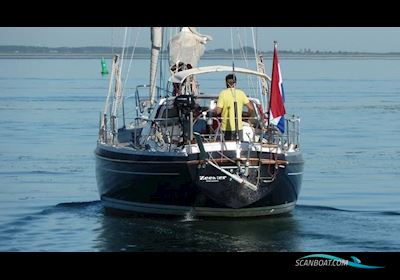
277	107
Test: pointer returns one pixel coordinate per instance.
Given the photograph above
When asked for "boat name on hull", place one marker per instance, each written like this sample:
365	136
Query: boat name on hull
210	179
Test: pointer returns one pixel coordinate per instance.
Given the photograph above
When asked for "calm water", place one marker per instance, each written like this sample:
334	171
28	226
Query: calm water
350	199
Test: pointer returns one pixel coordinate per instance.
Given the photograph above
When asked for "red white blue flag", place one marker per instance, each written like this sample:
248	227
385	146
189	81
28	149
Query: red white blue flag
277	98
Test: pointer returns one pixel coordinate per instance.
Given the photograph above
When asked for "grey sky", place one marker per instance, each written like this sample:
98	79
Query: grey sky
373	39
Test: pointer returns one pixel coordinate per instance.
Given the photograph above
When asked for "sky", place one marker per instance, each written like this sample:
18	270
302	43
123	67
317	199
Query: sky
363	39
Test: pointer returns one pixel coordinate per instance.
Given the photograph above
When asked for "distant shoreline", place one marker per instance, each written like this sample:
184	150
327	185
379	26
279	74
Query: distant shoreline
97	52
205	56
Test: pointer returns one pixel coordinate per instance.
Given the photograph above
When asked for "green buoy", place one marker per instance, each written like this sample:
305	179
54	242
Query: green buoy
104	70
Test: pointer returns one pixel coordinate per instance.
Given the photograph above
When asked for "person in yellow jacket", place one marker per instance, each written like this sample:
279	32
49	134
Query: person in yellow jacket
226	107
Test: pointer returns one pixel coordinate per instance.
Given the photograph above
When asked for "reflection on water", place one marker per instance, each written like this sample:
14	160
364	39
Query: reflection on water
89	227
307	228
139	233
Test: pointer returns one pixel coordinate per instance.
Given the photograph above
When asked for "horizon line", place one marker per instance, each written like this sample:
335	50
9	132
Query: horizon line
301	51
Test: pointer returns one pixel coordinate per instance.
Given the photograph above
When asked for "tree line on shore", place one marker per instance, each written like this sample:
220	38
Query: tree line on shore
15	50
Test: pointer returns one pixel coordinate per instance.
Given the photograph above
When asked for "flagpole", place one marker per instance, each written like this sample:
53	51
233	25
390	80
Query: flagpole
276	108
270	88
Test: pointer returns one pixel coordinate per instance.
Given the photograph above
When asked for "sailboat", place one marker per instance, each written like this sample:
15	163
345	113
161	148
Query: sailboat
172	157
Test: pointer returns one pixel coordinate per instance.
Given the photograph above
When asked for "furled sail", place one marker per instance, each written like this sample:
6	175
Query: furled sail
187	47
156	42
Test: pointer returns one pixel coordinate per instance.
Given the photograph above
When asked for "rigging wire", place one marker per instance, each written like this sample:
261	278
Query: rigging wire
123	47
243	51
233	53
256	60
131	58
112	41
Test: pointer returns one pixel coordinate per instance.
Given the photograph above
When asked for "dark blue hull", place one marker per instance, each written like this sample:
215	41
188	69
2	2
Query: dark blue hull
164	183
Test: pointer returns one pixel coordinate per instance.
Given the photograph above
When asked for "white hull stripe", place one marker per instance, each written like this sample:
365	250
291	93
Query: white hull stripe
295	173
139	161
140	173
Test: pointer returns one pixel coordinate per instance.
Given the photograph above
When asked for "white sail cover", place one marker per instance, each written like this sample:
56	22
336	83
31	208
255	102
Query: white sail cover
187	46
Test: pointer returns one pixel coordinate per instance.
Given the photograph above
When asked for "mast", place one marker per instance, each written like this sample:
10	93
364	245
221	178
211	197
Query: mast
156	43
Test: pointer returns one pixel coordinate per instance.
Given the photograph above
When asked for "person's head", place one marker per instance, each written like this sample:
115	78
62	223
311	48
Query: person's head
230	80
